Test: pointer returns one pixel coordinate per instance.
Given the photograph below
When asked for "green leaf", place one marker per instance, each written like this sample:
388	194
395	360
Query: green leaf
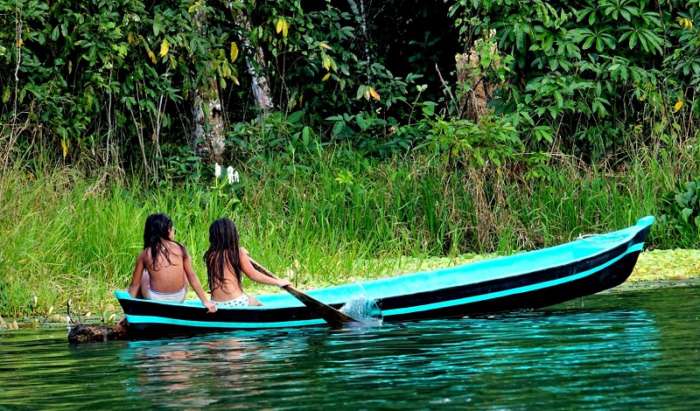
559	99
686	213
306	133
360	92
295	117
338	128
362	123
520	39
633	40
609	41
547	44
428	108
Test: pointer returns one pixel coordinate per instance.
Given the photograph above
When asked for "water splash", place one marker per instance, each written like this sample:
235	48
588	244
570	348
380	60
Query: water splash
364	310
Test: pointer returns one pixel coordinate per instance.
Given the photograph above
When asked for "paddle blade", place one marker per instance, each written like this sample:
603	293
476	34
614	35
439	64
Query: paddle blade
333	317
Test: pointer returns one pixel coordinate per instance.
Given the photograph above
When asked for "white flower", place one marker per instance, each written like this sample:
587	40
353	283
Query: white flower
217	170
232	175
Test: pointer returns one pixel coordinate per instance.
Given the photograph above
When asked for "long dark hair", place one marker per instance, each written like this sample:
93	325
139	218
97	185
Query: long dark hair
155	231
223	249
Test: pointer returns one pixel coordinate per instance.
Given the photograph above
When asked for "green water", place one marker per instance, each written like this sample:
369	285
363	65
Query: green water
618	351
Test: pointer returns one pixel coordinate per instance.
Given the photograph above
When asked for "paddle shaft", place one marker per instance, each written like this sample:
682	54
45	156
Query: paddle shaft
267	272
334	317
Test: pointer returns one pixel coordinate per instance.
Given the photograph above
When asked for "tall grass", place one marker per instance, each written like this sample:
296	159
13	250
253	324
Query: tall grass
334	217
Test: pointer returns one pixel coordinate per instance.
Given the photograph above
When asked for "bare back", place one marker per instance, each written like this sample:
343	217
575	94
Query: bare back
230	288
166	277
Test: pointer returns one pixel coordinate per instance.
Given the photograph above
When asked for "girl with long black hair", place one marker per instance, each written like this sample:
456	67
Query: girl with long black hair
226	262
164	268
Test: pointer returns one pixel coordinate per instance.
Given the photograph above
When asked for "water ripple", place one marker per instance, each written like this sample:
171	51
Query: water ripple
638	351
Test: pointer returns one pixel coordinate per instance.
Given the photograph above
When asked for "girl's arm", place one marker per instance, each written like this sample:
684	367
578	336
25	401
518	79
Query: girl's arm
135	285
256	275
194	282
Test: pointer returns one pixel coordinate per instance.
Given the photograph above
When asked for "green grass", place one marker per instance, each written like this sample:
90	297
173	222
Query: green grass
328	219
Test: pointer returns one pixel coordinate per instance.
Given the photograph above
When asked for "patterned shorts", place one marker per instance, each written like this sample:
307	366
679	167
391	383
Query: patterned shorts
238	302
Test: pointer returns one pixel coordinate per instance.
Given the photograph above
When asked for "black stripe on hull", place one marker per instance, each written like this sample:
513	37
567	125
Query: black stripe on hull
181	312
502	284
641	236
609	277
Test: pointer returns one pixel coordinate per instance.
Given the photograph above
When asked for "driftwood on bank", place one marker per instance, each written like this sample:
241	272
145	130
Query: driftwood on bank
84	333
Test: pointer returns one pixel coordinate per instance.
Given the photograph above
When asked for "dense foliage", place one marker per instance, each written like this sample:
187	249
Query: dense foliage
105	75
113	83
589	74
595	72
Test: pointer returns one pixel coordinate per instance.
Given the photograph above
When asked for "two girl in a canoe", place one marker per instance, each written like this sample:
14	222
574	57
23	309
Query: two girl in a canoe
164	268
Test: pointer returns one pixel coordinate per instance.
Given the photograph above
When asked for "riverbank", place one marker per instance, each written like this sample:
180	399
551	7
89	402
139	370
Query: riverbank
337	216
654	269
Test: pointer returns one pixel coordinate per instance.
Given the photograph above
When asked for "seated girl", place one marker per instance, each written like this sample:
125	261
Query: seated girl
163	269
226	260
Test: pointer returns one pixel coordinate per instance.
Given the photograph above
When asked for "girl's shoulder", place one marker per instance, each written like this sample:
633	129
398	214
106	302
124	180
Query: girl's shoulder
145	258
242	254
178	248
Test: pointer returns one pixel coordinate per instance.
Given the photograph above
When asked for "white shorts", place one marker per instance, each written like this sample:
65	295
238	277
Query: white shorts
176	297
151	294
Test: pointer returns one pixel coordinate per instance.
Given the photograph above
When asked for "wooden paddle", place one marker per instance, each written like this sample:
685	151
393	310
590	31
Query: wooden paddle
334	318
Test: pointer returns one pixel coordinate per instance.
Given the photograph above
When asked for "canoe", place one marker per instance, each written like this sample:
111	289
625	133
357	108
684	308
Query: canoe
526	280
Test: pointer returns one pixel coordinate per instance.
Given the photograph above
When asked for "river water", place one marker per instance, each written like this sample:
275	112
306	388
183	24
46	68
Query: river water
632	350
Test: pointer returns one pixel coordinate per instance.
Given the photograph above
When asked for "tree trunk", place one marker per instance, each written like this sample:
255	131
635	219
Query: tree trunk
255	63
207	136
361	19
208	123
473	90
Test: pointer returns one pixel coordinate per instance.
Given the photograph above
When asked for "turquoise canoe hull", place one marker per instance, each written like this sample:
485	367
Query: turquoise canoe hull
526	280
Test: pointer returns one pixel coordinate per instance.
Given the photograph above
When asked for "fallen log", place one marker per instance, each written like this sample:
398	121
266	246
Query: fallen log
84	333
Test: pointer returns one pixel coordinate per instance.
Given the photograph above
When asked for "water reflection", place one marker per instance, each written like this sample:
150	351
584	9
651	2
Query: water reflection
476	361
187	372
